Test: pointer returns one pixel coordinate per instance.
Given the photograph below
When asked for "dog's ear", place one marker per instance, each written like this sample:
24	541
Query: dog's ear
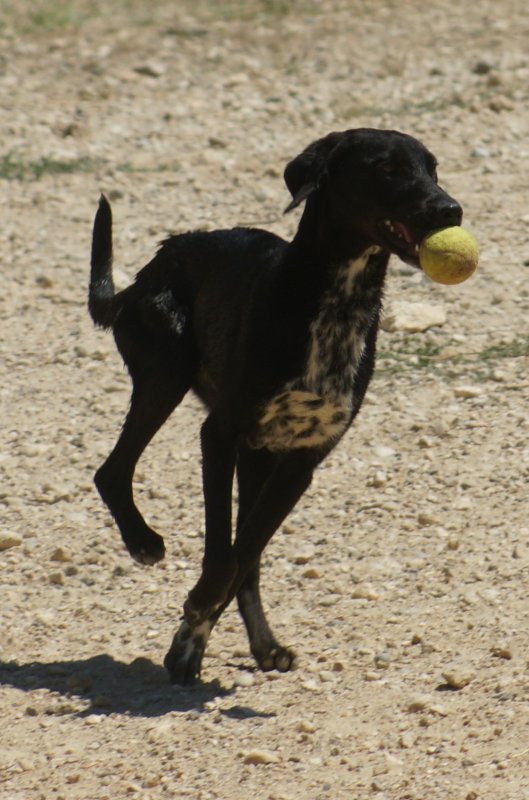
304	173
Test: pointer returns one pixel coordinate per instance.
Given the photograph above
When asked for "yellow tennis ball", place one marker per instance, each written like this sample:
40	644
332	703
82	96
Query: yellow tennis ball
449	255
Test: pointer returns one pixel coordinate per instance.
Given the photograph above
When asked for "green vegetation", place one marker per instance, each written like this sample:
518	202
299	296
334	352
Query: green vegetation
16	168
45	16
450	359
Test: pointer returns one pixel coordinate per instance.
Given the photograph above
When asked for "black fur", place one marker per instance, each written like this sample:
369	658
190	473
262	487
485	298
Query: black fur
278	340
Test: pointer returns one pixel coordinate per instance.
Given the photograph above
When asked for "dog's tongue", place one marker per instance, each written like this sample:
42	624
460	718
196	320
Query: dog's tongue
404	232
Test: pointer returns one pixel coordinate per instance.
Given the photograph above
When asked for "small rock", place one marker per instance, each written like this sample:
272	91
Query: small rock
425	518
413	317
244	679
151	70
406	740
364	591
311	573
45	617
467	392
303	555
384	452
382	660
310	685
419	703
458	676
57	578
8	540
426	442
482	67
480	152
439	709
60	555
260	757
379	479
305	726
502	650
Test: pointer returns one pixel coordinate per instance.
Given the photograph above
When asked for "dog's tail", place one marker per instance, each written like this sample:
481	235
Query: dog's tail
102	298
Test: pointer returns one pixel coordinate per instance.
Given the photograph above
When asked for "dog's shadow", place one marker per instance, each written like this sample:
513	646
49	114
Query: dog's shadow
107	686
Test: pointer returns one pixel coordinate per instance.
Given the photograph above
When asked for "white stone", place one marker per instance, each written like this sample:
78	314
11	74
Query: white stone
413	317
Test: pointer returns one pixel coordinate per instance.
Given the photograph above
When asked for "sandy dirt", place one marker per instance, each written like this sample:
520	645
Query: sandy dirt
401	578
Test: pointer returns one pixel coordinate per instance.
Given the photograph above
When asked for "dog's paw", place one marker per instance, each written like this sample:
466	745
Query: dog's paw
148	550
184	659
283	659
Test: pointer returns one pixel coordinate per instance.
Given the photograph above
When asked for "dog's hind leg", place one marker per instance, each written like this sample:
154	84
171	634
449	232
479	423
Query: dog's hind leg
253	469
155	395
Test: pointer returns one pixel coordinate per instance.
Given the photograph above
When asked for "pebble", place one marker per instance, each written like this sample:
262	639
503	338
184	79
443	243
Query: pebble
458	676
364	591
467	392
303	555
379	479
413	317
244	679
384	451
45	617
8	540
310	685
57	578
426	442
305	726
502	650
419	703
425	518
260	757
311	573
60	555
406	740
382	660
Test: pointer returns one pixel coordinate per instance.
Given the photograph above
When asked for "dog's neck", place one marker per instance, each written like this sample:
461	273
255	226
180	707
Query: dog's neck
347	310
324	252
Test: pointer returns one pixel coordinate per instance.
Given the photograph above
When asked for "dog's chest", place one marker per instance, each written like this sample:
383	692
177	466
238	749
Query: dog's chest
315	408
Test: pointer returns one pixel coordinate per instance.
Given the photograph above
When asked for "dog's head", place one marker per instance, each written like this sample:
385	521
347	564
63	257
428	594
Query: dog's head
373	186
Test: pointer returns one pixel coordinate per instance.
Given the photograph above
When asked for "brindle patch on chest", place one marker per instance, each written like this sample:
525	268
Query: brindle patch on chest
298	418
315	409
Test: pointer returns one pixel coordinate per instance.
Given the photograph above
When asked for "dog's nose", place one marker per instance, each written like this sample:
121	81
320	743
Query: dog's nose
450	213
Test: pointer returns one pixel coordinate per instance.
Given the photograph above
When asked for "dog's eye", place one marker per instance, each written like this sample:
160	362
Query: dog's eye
387	167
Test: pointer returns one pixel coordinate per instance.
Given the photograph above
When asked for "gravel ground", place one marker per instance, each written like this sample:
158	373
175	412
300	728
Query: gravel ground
401	577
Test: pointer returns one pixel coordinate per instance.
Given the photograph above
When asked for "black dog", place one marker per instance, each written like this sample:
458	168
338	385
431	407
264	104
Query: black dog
278	340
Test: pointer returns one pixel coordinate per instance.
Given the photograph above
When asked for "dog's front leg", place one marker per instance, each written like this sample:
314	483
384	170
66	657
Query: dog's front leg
289	480
219	565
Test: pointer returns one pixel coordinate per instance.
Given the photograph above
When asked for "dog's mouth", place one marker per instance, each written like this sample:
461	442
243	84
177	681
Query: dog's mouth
401	240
